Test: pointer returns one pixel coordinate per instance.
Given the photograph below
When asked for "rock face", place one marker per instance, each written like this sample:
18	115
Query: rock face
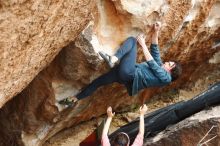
35	31
200	129
32	34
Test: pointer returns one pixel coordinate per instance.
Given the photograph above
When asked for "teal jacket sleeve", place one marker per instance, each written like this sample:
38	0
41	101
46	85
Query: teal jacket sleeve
159	72
155	52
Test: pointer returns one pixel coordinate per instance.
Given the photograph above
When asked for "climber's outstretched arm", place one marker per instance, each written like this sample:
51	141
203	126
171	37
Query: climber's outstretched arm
141	41
156	29
143	110
140	137
105	140
154	40
108	121
154	48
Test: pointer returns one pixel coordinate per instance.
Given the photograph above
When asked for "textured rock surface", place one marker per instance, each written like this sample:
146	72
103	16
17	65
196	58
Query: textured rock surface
191	131
32	34
190	34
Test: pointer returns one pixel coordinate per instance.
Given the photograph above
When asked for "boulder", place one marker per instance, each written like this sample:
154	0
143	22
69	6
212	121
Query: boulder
199	129
49	52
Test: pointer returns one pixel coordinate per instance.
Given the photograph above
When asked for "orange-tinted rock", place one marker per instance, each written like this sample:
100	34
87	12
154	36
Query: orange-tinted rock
190	34
32	34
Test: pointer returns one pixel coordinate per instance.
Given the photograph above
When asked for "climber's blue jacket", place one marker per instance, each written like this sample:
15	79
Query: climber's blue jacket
150	73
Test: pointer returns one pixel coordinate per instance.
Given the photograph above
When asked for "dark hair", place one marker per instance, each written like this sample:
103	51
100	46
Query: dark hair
176	71
120	140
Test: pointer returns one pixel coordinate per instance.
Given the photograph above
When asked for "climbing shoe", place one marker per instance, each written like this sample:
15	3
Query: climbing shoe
68	102
107	59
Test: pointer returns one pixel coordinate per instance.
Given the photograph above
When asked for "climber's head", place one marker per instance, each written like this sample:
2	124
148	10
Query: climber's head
121	139
174	68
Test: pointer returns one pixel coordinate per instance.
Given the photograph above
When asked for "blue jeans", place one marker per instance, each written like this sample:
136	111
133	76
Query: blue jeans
122	73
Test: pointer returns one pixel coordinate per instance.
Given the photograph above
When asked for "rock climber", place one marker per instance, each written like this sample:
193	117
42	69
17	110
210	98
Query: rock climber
135	76
121	138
